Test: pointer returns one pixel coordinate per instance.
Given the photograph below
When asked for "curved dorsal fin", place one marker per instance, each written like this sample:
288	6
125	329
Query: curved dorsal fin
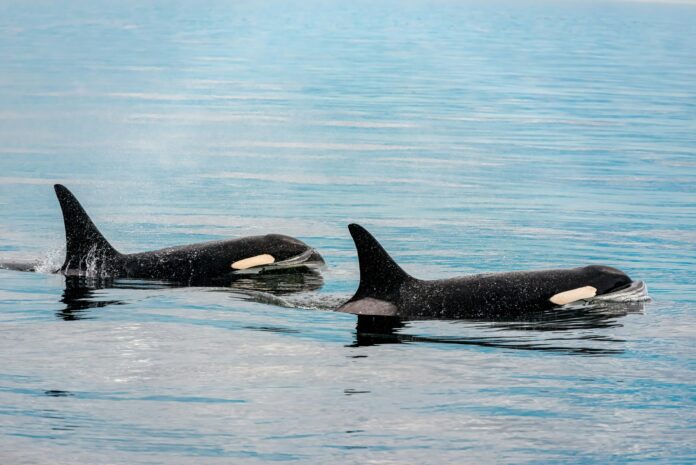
380	275
81	235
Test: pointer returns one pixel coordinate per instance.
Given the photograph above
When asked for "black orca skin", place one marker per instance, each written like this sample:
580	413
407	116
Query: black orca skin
89	253
386	290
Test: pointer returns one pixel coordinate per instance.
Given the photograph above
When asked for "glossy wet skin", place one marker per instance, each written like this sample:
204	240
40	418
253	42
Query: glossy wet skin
210	260
387	290
88	252
500	294
606	279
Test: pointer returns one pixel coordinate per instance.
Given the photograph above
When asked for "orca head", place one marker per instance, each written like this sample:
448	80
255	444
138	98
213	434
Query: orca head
287	248
606	279
274	251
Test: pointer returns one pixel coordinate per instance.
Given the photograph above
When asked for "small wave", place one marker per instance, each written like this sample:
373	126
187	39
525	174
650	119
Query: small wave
636	292
92	265
317	302
263	298
309	301
51	262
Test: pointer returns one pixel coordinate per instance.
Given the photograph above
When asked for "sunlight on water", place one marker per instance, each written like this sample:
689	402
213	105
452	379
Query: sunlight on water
469	137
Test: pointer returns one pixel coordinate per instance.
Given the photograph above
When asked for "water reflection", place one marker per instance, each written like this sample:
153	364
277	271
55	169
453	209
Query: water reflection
570	331
82	294
58	393
279	283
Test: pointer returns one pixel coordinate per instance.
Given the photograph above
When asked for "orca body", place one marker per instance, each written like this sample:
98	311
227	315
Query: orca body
88	253
386	290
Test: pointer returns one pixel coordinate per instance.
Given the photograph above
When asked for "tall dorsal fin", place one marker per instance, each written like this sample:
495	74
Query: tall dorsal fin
81	235
380	275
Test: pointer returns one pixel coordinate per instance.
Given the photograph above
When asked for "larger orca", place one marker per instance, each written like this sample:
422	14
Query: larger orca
89	253
386	290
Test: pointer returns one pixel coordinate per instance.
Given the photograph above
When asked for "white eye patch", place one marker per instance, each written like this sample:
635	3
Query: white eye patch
572	295
258	260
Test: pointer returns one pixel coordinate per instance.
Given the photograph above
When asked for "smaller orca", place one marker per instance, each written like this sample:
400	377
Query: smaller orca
89	253
386	290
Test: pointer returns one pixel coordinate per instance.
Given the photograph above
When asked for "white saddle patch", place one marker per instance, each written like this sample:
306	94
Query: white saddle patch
369	306
573	295
251	262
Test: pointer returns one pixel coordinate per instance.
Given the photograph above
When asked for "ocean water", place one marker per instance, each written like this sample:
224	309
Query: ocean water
468	136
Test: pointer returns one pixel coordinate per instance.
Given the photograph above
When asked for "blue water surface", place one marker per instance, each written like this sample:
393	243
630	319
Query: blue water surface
468	136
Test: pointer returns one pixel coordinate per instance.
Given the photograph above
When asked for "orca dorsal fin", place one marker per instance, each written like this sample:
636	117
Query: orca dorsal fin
380	275
83	239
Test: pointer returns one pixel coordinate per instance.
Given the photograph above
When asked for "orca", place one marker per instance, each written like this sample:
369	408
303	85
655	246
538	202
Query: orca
88	253
386	291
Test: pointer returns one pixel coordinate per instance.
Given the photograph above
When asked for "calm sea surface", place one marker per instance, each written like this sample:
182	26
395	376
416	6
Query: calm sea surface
467	136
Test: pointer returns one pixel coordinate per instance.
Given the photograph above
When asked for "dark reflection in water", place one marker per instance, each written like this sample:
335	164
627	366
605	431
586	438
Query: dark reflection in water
594	316
273	329
279	283
564	331
58	393
60	422
81	294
